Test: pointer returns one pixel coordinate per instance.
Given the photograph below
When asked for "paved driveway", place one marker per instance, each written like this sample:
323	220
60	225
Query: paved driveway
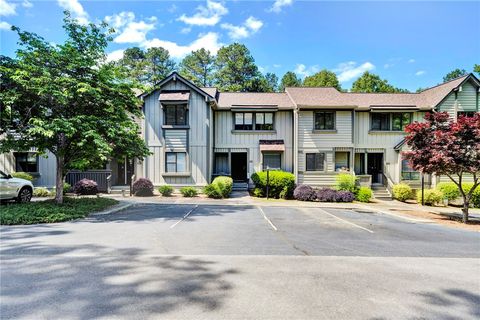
216	262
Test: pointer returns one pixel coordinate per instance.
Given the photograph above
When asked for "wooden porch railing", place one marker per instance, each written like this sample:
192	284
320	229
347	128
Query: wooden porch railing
101	177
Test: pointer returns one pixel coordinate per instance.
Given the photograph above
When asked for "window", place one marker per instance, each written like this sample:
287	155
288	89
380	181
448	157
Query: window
272	161
26	162
381	121
401	120
398	121
175	114
315	161
176	162
264	121
243	121
468	114
408	173
325	120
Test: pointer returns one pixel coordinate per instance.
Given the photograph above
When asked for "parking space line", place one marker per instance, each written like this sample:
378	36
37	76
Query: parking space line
343	220
184	217
266	218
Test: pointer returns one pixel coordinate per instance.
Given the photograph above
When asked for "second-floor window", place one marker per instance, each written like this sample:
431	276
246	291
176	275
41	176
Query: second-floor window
176	114
253	121
390	121
325	120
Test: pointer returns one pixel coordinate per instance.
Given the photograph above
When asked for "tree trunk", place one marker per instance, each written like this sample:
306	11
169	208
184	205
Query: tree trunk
465	210
59	182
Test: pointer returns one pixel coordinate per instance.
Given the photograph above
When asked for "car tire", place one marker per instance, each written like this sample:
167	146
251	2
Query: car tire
25	195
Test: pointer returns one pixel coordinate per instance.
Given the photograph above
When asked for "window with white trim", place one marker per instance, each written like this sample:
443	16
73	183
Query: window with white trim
176	162
272	161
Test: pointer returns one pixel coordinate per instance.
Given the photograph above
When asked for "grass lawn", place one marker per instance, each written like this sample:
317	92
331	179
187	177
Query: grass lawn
48	211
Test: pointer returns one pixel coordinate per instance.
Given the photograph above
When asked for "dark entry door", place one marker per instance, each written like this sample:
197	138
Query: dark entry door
375	167
125	172
239	166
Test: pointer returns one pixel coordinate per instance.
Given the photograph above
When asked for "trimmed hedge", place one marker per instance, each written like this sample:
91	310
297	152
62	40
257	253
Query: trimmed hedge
364	194
402	192
304	193
41	192
281	183
188	192
165	190
345	182
221	187
85	187
449	189
143	187
431	196
22	175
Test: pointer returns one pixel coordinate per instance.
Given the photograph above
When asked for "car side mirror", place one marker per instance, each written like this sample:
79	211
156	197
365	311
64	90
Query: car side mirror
9	176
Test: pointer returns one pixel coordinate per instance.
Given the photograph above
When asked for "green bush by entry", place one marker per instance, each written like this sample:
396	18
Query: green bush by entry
165	190
221	187
281	183
431	196
364	194
48	211
188	192
41	192
402	192
449	189
22	175
345	182
475	201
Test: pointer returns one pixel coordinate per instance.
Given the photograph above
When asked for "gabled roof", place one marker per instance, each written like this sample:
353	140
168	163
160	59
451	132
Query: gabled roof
229	100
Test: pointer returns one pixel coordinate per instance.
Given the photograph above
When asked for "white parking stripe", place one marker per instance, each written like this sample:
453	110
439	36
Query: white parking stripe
343	220
184	217
266	218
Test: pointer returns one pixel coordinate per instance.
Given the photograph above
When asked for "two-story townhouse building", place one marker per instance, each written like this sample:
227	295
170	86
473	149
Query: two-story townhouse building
195	134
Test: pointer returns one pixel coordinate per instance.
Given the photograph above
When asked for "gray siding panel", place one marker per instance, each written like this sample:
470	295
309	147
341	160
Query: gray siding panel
308	138
467	98
176	139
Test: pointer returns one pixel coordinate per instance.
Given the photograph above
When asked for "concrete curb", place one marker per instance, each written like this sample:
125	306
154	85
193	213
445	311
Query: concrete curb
116	208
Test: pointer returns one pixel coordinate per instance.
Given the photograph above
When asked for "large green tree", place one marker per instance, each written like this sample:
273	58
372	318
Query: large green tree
324	78
476	68
371	83
454	74
198	67
272	82
290	79
65	98
135	63
159	65
235	69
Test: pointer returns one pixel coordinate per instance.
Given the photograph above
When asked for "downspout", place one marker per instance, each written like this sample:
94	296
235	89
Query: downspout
295	144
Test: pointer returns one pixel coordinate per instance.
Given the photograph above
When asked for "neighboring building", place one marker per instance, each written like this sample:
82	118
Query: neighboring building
195	134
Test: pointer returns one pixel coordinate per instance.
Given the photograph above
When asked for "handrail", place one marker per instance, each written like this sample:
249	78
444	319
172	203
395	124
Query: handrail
109	183
388	182
132	180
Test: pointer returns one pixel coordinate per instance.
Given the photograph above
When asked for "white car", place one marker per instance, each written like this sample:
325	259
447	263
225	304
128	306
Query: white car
17	189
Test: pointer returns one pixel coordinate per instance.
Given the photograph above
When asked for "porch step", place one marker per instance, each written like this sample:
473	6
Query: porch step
381	193
120	190
240	186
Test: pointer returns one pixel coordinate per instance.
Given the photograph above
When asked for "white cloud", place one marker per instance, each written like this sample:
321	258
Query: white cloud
129	30
388	65
4	25
206	16
115	55
185	30
7	8
279	4
76	9
303	71
247	29
420	73
209	41
27	4
411	61
277	65
349	70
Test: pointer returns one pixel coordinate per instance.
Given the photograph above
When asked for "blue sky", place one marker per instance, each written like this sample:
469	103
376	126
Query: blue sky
411	44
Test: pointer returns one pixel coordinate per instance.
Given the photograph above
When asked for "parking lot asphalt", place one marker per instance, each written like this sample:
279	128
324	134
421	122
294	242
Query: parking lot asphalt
239	261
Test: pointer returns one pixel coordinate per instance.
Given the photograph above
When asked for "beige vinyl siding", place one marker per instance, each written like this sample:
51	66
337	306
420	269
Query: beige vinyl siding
467	98
448	105
226	139
308	138
7	162
194	140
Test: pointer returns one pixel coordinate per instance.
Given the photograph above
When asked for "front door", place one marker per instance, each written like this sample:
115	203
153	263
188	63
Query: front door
375	167
124	172
239	166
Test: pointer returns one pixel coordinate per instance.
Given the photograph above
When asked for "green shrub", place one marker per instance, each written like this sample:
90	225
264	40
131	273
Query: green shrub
188	192
67	188
165	190
257	192
22	175
281	183
41	192
402	192
431	196
475	200
449	189
345	182
364	194
221	187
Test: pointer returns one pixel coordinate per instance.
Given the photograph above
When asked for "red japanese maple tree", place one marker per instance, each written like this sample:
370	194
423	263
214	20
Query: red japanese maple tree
443	146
